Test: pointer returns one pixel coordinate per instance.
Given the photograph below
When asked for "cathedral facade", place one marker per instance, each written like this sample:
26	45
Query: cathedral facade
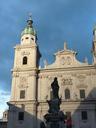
31	84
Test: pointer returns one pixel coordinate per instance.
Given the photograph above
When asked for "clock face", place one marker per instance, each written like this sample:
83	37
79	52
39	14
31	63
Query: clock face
66	60
62	60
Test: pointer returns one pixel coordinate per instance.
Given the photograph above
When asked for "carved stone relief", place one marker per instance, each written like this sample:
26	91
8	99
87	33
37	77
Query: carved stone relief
23	82
69	60
15	74
66	60
50	75
81	73
82	86
25	53
32	74
81	78
67	81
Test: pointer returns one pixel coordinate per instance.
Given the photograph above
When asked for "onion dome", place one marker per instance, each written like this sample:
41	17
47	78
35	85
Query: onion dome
29	28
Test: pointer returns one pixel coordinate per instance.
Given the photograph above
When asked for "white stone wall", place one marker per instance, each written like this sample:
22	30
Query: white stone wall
71	74
74	80
30	51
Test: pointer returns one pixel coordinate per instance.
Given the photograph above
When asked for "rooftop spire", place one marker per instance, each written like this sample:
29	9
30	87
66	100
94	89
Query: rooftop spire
30	21
86	60
65	46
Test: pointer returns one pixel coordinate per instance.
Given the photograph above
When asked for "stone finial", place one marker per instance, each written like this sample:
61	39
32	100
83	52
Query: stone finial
39	66
30	15
45	63
65	46
85	60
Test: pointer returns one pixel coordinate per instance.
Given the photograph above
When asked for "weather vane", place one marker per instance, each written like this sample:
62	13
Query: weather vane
29	21
30	16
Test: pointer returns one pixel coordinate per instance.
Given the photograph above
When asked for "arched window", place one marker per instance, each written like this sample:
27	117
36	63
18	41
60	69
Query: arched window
67	94
5	115
24	60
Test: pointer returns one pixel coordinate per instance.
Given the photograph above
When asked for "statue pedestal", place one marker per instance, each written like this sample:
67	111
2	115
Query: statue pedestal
55	118
54	105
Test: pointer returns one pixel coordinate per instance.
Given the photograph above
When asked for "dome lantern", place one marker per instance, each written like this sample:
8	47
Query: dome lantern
29	28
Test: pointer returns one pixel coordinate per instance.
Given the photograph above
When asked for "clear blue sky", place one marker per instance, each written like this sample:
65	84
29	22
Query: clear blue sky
56	21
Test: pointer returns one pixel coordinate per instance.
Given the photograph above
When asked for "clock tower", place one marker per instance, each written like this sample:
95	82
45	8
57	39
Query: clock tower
22	105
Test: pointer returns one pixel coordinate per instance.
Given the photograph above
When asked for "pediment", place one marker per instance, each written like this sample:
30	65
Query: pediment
66	58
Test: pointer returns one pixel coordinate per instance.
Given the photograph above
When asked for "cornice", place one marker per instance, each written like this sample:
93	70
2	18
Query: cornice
88	68
22	102
87	101
80	73
79	101
64	52
24	69
18	47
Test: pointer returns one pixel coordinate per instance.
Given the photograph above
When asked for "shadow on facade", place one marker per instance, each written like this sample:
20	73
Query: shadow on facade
18	117
84	116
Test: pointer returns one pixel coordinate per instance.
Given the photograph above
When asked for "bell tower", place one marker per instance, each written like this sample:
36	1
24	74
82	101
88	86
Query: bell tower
24	79
28	48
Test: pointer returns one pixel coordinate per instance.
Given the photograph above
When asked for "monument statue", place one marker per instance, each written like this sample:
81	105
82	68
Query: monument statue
54	118
55	88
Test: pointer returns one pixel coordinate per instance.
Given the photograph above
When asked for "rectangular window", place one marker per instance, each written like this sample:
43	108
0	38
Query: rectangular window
21	116
22	94
82	93
84	115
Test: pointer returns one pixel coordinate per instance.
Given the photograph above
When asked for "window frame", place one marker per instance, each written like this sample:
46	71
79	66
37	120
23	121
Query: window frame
22	94
21	116
84	115
67	94
82	94
25	60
